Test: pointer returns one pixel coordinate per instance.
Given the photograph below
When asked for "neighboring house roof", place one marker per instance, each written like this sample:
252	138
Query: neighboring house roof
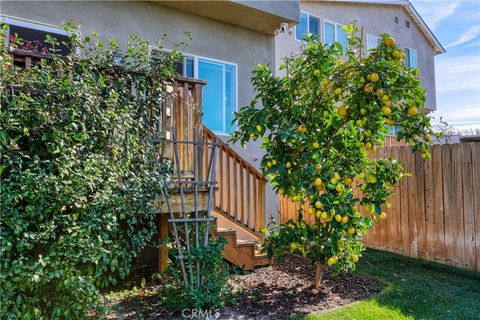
437	46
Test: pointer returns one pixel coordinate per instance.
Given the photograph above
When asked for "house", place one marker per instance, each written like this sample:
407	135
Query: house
395	17
228	38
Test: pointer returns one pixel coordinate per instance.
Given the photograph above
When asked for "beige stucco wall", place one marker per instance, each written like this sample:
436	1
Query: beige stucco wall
210	39
375	20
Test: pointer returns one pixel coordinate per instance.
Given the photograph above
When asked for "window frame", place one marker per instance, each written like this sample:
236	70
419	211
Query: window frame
320	21
35	25
195	59
410	57
335	24
379	40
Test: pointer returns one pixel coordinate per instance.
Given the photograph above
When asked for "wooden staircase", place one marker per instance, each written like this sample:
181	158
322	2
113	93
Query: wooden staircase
242	248
239	196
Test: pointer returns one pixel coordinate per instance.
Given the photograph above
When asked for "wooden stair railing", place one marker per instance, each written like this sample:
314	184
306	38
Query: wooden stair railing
241	189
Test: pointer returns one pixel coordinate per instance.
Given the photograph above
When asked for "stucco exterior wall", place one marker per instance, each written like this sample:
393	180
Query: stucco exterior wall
375	19
210	39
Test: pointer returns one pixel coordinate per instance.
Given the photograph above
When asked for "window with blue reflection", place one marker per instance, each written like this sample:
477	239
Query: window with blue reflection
329	30
219	94
189	67
342	37
314	25
302	27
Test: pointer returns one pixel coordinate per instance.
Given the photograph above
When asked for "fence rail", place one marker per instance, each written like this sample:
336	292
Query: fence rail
435	213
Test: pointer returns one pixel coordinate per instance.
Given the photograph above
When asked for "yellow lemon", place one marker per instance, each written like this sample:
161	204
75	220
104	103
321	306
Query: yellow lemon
259	128
396	54
390	41
338	218
342	111
412	111
311	211
347	181
324	215
318	168
316	145
293	246
318	205
359	123
318	214
355	258
288	165
338	91
318	182
371	179
331	262
380	93
374	77
344	219
390	122
274	162
351	230
383	216
386	111
339	188
316	73
253	135
281	191
269	164
368	146
388	103
368	88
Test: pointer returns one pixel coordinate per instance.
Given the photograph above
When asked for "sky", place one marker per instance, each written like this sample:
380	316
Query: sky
456	24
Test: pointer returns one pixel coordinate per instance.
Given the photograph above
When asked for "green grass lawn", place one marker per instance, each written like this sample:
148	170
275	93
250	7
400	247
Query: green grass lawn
415	290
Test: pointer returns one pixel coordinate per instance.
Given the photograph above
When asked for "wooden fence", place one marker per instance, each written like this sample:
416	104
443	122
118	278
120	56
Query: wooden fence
435	213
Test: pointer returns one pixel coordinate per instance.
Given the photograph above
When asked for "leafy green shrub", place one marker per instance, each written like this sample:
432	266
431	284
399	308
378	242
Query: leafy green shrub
318	123
79	176
214	291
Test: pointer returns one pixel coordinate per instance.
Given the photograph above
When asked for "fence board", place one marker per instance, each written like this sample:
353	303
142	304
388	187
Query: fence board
448	205
468	213
458	203
435	213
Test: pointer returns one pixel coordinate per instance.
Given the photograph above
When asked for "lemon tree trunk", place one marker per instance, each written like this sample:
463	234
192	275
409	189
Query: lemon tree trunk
318	276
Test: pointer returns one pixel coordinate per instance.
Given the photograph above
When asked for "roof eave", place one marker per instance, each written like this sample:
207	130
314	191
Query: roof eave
438	48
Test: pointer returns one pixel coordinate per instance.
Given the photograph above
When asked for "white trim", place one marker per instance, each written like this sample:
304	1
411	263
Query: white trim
32	25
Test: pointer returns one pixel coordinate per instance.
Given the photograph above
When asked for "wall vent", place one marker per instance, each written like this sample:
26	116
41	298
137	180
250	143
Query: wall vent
407	24
396	20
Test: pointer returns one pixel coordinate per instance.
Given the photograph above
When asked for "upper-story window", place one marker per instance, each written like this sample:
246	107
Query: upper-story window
372	42
309	24
333	32
32	37
411	58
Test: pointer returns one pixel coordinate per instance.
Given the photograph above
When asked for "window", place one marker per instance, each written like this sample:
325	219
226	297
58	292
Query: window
33	36
396	20
411	58
372	42
219	95
309	24
407	23
333	32
392	130
185	68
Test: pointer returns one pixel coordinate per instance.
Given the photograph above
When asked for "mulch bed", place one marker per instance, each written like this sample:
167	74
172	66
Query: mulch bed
287	290
270	293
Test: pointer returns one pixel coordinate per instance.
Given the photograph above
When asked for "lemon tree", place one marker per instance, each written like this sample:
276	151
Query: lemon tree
317	124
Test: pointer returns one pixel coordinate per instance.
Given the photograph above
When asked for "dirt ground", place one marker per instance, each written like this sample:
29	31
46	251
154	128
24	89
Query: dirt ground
267	294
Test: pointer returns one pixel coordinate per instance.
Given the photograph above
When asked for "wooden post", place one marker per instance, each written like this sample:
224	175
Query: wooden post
162	241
